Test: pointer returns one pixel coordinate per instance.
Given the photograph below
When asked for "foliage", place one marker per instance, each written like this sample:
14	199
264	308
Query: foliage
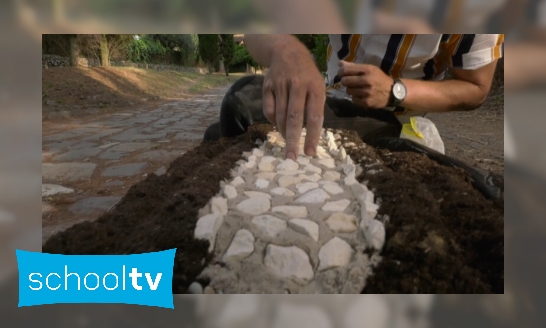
317	45
243	57
227	50
320	51
208	49
184	44
144	48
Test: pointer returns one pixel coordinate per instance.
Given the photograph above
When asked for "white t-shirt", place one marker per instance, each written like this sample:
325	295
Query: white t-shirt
411	56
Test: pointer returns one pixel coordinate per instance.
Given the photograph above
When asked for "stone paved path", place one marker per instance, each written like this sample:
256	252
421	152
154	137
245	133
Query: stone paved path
101	157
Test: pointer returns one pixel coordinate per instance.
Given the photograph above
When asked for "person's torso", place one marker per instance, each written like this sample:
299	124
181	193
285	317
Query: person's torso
398	55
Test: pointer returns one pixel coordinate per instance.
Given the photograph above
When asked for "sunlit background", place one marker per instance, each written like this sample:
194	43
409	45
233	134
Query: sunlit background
523	22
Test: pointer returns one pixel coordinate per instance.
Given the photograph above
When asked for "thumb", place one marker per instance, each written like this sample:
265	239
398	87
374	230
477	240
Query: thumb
343	63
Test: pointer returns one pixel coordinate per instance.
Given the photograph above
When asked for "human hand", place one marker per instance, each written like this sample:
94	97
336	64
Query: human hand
368	85
293	87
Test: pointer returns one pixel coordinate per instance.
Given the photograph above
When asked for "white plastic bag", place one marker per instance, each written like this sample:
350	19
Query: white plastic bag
424	132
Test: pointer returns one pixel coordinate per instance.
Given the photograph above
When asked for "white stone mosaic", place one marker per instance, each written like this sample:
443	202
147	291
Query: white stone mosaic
291	226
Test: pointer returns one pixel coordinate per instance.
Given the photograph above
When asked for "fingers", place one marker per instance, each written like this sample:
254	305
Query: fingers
294	118
347	69
281	102
269	103
315	119
355	81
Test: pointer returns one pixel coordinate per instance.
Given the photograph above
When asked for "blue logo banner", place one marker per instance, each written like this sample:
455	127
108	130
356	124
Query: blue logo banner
142	279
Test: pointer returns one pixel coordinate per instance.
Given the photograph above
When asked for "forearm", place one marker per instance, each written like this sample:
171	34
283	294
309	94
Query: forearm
443	96
265	48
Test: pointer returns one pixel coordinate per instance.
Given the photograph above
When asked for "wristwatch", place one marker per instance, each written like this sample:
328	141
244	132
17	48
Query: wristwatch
398	93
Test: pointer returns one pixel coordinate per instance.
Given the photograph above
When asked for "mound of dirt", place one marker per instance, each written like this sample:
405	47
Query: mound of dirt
443	236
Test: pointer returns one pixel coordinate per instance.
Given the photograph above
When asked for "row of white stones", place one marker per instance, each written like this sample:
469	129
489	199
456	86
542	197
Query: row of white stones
327	182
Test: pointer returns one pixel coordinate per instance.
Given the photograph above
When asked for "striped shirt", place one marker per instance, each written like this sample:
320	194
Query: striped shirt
411	56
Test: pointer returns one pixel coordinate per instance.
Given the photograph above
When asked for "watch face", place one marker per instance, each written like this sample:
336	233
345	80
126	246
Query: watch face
399	91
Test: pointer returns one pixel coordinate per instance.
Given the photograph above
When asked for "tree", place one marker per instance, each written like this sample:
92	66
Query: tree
183	44
74	50
208	49
227	50
104	52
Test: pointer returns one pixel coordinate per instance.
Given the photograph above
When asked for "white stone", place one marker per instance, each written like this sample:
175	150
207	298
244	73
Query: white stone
206	228
327	182
286	181
374	232
257	152
261	183
337	136
266	166
249	165
331	176
252	158
306	186
341	222
268	159
269	225
292	211
237	181
348	160
276	149
219	205
335	253
302	316
314	197
302	160
290	172
342	154
254	194
241	246
332	188
350	180
254	206
337	206
306	227
271	139
313	177
195	288
51	189
269	176
349	144
334	153
288	165
282	191
349	170
327	162
322	153
230	192
288	262
358	189
368	209
312	168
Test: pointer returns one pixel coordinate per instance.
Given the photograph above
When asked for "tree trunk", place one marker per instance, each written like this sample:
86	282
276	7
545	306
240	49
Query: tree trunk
74	50
104	53
210	67
222	68
227	71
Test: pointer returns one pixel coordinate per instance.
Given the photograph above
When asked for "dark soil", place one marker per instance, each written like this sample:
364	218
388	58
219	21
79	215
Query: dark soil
160	212
443	236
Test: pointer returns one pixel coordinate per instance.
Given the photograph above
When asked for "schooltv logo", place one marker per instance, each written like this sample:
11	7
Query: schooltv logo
142	279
